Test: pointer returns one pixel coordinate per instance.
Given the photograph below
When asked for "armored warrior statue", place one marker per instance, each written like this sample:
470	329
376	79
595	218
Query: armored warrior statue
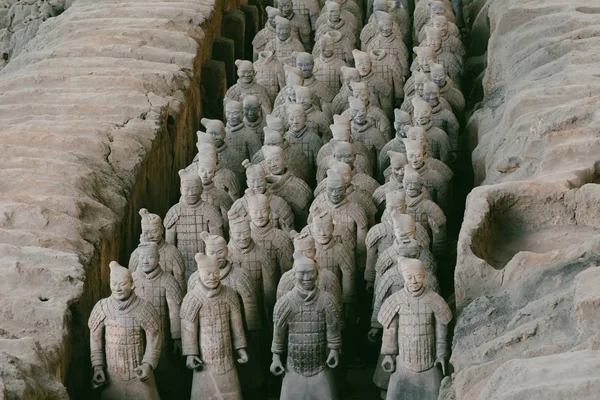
160	289
300	136
402	122
371	28
276	242
211	194
390	70
269	73
387	39
450	35
211	328
415	323
306	327
125	341
397	163
327	69
244	251
316	121
453	64
305	63
342	48
192	215
360	90
447	90
248	86
228	158
170	259
426	10
293	76
440	146
425	56
420	78
245	141
286	185
340	101
253	116
381	92
348	6
425	211
284	43
362	129
402	25
266	34
333	21
438	141
282	216
299	13
441	117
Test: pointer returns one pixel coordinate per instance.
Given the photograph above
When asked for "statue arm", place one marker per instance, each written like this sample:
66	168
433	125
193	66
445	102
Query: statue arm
250	306
152	329
237	323
348	269
269	277
97	346
171	236
174	304
190	329
361	235
179	271
389	341
372	254
439	237
332	319
280	326
441	344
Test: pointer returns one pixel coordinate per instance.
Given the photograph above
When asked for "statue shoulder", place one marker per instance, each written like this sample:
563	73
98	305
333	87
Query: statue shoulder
390	308
172	216
98	315
149	318
192	303
440	308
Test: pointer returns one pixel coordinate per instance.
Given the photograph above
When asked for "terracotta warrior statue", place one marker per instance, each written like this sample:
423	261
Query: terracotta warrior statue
266	34
282	216
452	63
190	216
362	129
447	90
348	6
349	19
269	73
438	141
441	117
307	331
327	68
245	141
300	136
402	122
228	158
300	22
125	341
425	56
293	77
284	43
333	21
342	48
286	185
170	259
371	28
386	66
340	101
425	212
316	120
381	92
388	40
360	90
413	358
253	116
426	10
397	162
450	35
247	85
211	329
160	289
305	63
276	242
419	78
439	146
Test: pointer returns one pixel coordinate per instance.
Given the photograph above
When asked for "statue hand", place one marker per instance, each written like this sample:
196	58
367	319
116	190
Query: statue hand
373	334
177	347
370	287
441	361
99	378
193	362
276	368
333	359
143	371
243	356
388	364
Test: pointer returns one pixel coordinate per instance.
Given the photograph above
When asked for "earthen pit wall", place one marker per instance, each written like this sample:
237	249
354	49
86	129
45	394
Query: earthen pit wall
97	115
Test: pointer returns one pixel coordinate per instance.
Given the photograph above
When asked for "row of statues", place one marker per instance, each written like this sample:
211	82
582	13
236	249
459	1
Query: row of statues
320	201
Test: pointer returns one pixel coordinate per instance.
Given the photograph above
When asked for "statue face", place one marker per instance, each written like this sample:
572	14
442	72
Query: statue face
152	233
345	157
437	9
191	192
241	236
297	121
322	231
362	94
220	253
218	135
413	279
419	86
206	173
233	115
439	78
306	66
422	117
252	112
336	193
413	188
435	42
245	75
148	259
359	115
275	163
385	28
282	32
398	174
285	7
416	158
303	99
334	16
442	26
363	65
432	97
257	183
121	287
260	215
424	62
327	48
306	276
210	276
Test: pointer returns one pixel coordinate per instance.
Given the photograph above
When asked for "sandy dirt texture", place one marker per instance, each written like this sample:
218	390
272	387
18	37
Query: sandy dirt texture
97	113
527	273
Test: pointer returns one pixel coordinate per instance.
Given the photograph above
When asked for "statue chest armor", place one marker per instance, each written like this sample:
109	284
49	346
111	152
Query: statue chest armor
419	215
212	197
253	264
237	141
215	335
124	342
326	260
165	258
191	223
156	294
345	226
304	144
385	241
268	244
307	339
416	335
269	79
329	75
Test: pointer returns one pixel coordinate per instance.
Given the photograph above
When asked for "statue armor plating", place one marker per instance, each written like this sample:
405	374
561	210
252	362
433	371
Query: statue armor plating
316	121
248	86
229	159
340	101
243	140
284	43
342	48
381	92
333	21
388	40
327	68
300	136
269	73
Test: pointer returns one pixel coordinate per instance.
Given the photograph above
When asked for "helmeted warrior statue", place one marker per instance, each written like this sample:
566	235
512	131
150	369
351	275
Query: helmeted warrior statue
300	136
307	330
245	141
447	90
448	29
439	146
371	28
286	185
425	56
402	122
160	289
276	242
381	92
125	341
170	259
437	139
316	120
284	43
360	90
441	117
426	10
362	129
300	22
253	116
453	64
211	329
282	216
340	101
333	21
327	69
386	66
415	325
305	62
342	48
388	40
397	163
266	34
248	86
190	216
228	158
269	73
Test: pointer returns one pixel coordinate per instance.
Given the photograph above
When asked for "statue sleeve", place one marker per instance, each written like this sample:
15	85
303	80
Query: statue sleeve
285	257
372	253
389	341
96	325
269	277
281	315
249	302
150	322
253	144
179	270
348	268
236	323
174	298
332	318
190	329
